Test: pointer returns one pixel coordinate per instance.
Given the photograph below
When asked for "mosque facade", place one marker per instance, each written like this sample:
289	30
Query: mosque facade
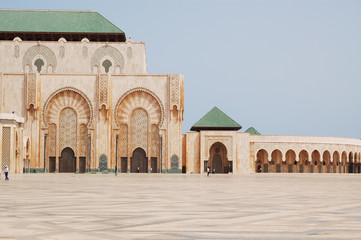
76	97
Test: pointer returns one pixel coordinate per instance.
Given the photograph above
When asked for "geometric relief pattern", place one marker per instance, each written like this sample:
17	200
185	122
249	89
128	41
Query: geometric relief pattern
129	53
31	90
139	125
101	52
85	52
17	51
83	145
138	98
103	91
67	131
174	82
32	52
6	140
52	140
64	99
154	140
123	145
61	52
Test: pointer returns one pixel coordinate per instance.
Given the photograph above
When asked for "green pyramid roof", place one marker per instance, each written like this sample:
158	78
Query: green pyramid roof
253	131
215	119
60	22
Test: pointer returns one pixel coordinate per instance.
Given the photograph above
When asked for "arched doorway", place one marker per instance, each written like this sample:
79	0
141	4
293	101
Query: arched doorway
276	158
291	161
336	162
303	162
326	162
138	161
218	159
315	156
262	161
344	162
67	161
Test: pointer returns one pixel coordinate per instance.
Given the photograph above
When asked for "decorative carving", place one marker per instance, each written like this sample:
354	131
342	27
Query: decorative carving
6	141
139	129
129	53
154	141
174	89
227	142
52	140
101	52
174	162
85	52
103	91
83	140
16	51
68	97
61	51
135	98
67	129
103	162
123	144
31	90
32	52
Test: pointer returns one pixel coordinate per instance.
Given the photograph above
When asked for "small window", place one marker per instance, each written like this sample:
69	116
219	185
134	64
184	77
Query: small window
315	162
107	64
39	64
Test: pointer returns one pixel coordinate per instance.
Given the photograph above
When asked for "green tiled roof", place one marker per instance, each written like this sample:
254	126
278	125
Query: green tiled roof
215	119
253	131
55	22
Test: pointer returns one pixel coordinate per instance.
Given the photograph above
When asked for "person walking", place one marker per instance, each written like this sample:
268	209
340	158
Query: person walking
6	170
208	169
116	170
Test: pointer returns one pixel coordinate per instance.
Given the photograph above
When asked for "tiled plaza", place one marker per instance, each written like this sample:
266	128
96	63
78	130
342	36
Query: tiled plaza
172	206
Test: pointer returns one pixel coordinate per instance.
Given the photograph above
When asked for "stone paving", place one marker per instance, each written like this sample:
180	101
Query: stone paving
174	206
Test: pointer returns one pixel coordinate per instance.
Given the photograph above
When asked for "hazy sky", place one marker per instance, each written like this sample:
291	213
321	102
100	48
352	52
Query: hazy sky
283	67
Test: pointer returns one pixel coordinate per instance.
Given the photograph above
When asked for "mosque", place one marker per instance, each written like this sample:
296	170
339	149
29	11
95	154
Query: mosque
76	97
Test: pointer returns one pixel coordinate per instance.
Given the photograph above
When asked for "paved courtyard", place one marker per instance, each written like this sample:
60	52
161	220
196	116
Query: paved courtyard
143	206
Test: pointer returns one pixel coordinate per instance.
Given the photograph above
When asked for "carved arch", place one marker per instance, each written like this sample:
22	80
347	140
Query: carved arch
45	52
139	98
68	97
101	53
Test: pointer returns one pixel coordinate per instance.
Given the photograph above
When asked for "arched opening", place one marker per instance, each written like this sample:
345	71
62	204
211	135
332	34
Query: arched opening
326	162
356	163
218	161
138	161
67	162
336	166
39	63
303	163
291	161
107	64
344	162
276	158
315	156
350	163
262	162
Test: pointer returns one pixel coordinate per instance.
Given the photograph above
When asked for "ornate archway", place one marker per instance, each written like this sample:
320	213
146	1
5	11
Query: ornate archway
139	115
218	161
67	114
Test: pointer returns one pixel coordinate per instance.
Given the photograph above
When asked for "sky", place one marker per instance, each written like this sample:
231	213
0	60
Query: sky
286	67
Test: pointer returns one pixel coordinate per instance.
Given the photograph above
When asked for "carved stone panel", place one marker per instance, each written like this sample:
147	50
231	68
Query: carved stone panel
139	126
67	131
6	140
31	90
174	91
103	91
